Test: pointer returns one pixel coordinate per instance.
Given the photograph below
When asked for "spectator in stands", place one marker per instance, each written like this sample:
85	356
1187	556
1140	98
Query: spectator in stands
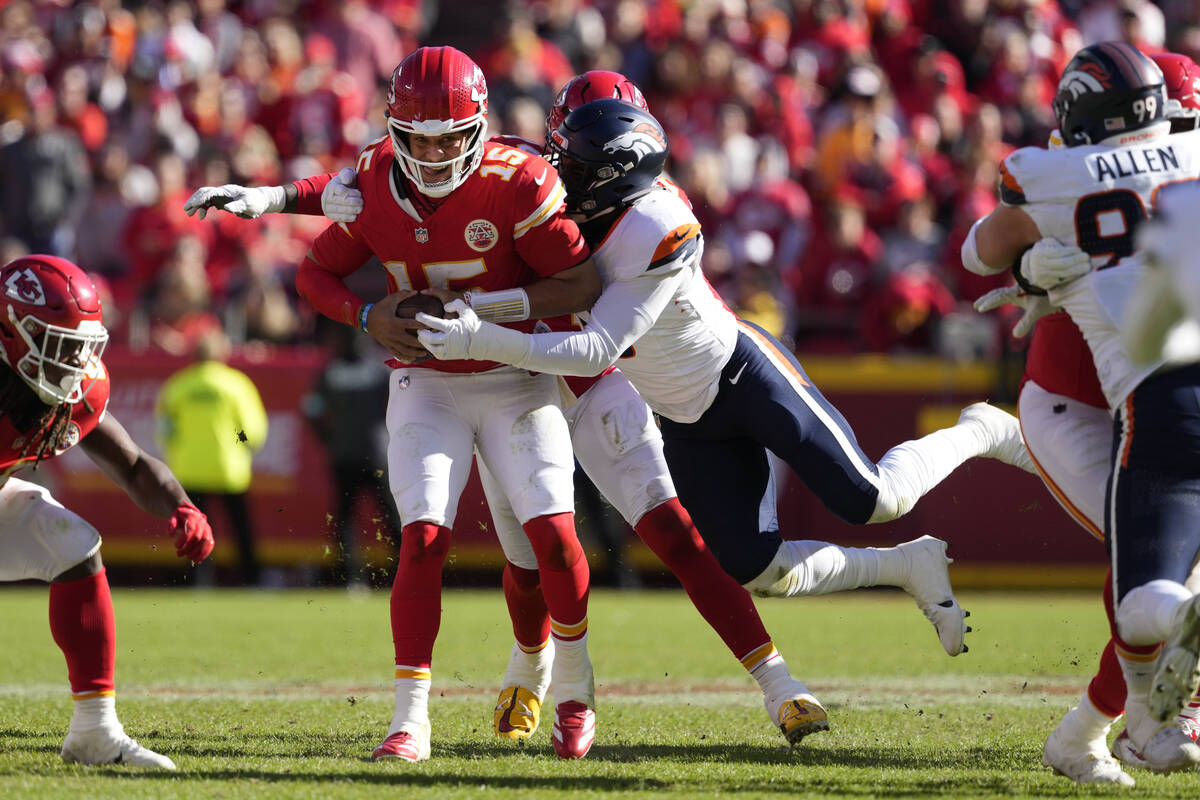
45	180
210	422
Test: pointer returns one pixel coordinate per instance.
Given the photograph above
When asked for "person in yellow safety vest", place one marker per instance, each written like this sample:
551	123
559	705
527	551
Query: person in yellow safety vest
210	422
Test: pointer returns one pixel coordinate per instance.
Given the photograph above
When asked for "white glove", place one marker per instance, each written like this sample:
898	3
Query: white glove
1050	263
1036	306
249	202
340	201
450	339
468	336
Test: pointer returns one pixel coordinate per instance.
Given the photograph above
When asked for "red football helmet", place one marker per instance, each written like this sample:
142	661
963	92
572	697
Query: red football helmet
1182	78
435	91
596	84
51	331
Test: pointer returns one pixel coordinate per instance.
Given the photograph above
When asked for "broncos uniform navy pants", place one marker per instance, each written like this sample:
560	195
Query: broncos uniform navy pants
1152	514
719	462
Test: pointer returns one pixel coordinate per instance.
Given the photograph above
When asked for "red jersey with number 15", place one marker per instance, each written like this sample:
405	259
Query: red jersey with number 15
503	227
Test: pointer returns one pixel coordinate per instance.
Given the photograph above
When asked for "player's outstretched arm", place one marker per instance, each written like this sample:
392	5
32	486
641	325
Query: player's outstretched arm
328	194
150	484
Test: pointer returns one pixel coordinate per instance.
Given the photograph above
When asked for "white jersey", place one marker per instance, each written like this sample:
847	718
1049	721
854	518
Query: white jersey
676	363
1094	197
657	318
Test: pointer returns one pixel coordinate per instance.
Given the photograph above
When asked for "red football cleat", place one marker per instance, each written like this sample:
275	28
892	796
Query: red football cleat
403	745
574	729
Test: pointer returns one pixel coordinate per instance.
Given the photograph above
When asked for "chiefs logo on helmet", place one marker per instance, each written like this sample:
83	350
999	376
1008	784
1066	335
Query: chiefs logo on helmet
642	140
22	285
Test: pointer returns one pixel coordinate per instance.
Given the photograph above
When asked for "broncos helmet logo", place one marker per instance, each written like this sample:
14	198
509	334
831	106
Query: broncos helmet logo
642	140
1088	78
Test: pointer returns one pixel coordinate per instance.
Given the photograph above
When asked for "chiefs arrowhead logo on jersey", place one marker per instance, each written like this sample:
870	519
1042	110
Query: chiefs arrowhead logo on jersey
481	235
23	285
642	140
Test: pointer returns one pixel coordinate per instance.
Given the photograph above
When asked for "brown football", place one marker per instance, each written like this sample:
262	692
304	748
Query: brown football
418	303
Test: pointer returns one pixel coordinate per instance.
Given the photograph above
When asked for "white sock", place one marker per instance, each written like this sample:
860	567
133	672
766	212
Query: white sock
412	699
530	670
95	712
572	672
767	666
910	469
813	568
1086	722
1148	614
1138	669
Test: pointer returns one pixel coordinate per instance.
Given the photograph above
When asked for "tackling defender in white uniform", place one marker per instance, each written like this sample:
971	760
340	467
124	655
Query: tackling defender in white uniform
724	389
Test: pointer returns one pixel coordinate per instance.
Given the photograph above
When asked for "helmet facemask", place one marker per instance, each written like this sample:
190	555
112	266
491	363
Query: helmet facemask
461	166
58	359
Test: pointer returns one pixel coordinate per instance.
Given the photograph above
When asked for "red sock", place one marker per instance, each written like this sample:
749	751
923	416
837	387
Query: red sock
417	592
526	606
1107	690
83	627
727	607
564	572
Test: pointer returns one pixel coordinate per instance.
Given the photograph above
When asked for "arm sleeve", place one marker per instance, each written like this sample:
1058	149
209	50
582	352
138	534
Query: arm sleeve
308	193
337	252
623	313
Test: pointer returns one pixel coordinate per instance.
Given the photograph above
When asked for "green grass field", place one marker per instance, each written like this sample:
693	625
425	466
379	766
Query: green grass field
283	694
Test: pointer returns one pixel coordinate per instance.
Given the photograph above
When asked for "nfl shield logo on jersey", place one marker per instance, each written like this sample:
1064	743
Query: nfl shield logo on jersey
481	235
422	235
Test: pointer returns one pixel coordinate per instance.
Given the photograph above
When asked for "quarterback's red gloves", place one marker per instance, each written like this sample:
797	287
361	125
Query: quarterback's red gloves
193	536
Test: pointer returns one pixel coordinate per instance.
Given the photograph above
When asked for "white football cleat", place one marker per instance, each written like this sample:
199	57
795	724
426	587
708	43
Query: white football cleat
929	584
405	745
1003	435
1173	747
110	746
1178	674
1082	761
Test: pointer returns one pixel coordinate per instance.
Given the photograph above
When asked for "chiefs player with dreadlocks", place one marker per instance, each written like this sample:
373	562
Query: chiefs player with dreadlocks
54	395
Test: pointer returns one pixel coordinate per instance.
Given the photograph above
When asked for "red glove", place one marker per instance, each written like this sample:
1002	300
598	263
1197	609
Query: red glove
193	536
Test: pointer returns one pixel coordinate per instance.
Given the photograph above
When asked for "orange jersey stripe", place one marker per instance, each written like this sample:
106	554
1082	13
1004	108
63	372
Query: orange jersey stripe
784	361
674	240
1127	432
1008	180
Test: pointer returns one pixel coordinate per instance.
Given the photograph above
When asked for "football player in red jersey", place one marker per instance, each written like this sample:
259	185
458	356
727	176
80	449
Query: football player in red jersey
54	393
620	448
445	208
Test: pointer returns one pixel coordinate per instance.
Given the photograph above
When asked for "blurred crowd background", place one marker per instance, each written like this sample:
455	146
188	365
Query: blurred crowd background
835	151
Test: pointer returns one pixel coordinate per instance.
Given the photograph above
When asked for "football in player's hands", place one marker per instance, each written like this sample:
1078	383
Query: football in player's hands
409	307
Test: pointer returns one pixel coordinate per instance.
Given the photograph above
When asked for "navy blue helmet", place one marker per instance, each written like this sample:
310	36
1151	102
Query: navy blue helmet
608	154
1108	89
